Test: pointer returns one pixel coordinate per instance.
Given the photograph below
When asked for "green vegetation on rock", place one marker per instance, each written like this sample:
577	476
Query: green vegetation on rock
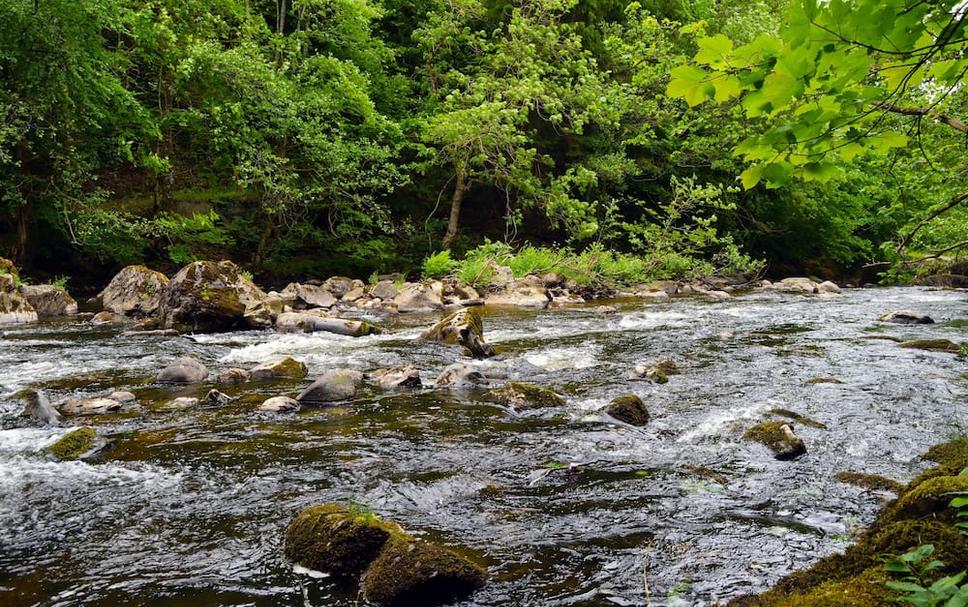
74	444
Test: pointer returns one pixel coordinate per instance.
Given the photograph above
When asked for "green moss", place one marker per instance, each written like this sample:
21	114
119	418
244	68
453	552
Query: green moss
628	408
865	590
927	499
778	437
332	539
935	345
74	444
803	419
949	452
869	481
527	396
411	572
823	380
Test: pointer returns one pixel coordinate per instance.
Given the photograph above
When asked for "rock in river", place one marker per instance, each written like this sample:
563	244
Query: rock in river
305	322
459	375
74	444
308	296
206	296
280	404
463	327
94	406
628	408
285	368
521	396
420	297
50	300
779	437
906	317
183	371
14	306
396	378
394	568
39	408
658	372
134	291
332	386
934	345
233	376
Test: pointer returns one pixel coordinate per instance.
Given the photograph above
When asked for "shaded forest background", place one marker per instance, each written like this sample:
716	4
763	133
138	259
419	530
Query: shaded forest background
305	138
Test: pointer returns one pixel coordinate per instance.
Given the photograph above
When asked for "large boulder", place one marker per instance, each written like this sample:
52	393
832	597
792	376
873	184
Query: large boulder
419	297
779	438
183	371
463	327
14	306
305	296
339	286
332	386
522	396
397	378
309	322
906	317
50	300
628	408
394	569
284	368
385	290
134	291
206	296
38	408
412	572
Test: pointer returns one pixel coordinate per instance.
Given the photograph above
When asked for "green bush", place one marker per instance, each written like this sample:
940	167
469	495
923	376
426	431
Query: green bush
438	265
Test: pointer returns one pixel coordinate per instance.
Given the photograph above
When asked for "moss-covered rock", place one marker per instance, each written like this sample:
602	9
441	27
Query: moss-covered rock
803	419
934	345
658	372
285	368
74	444
335	540
464	328
522	396
207	296
14	306
954	451
779	437
411	572
869	481
134	291
50	300
628	408
928	499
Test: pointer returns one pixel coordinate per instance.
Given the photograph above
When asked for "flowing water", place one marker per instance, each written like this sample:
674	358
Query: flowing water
191	506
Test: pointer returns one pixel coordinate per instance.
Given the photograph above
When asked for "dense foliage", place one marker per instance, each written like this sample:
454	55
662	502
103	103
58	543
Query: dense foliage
322	136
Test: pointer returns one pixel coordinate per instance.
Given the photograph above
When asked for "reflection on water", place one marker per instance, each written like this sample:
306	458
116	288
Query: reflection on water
190	507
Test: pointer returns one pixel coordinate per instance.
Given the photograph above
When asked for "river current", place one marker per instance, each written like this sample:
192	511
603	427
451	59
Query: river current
566	509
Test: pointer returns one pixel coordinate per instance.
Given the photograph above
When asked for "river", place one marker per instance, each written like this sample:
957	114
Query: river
191	506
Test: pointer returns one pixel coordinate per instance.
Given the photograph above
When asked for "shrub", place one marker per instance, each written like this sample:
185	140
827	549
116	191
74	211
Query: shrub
438	265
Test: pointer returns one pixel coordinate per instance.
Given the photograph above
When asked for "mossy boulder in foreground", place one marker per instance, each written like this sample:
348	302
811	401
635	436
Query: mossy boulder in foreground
628	408
779	437
464	328
394	569
74	444
411	572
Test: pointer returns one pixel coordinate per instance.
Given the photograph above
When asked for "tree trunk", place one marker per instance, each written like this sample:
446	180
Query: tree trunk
460	188
22	243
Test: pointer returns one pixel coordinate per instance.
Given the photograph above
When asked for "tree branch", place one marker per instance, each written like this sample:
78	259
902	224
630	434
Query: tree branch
950	205
916	111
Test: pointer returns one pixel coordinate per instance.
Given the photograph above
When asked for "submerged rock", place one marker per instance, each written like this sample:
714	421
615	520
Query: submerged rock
14	306
280	404
463	327
397	378
302	322
934	345
285	368
134	291
460	375
412	572
206	296
182	402
184	370
74	444
105	318
38	408
522	396
906	317
869	481
50	300
658	372
628	408
332	386
94	406
779	437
